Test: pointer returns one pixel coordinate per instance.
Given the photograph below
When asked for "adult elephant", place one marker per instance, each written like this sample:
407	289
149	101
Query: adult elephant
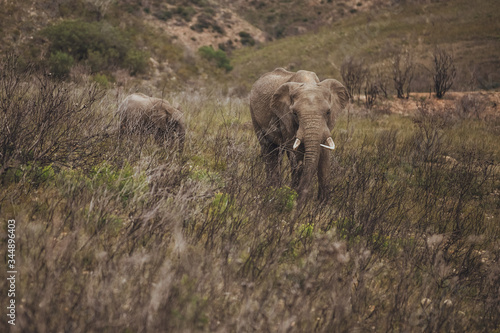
143	115
295	113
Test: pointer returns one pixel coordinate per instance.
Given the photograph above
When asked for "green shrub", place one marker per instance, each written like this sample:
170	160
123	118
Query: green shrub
36	174
283	198
99	44
60	64
136	61
123	181
186	12
78	38
101	80
220	204
96	60
200	3
206	21
219	57
163	15
246	38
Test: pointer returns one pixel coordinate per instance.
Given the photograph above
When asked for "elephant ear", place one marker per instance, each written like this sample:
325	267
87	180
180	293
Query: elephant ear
174	118
172	112
280	104
340	96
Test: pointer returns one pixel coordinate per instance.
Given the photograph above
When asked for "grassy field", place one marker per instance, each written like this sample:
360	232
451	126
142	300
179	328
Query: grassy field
121	236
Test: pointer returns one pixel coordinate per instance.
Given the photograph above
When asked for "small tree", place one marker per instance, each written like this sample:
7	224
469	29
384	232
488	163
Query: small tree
45	122
444	72
371	92
219	57
353	74
403	69
60	64
381	80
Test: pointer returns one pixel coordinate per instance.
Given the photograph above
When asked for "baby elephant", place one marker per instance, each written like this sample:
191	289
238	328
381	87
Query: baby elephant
143	116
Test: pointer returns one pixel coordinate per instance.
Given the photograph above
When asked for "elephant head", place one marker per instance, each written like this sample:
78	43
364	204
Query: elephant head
306	113
143	115
171	125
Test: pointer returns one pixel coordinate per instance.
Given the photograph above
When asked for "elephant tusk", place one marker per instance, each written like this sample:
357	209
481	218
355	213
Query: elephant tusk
296	144
331	144
327	147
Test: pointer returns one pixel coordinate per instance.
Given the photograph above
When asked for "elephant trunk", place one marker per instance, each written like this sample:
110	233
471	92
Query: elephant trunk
312	139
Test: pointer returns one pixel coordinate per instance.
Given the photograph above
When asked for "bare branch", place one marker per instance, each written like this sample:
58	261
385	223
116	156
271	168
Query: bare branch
444	72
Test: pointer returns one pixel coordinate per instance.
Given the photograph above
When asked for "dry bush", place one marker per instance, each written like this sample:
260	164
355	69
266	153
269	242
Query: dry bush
444	72
44	122
372	91
403	68
381	80
353	74
471	106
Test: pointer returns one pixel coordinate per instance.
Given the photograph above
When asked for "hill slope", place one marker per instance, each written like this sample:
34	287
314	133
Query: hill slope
468	30
166	36
292	17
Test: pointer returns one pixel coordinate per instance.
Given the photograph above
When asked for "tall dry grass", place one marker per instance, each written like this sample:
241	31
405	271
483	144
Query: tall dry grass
136	238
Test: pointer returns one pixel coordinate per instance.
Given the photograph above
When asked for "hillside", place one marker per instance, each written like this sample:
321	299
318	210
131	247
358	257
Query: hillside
293	17
468	30
155	41
159	40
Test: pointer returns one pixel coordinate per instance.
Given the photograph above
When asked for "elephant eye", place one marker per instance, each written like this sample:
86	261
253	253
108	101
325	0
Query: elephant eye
328	112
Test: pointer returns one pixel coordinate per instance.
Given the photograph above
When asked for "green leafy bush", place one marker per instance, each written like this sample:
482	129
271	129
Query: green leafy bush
246	38
219	57
136	61
96	60
37	174
186	12
100	45
102	80
283	198
163	15
60	64
206	21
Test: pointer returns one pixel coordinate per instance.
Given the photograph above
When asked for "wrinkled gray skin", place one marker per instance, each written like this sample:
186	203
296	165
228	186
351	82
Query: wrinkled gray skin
286	106
143	115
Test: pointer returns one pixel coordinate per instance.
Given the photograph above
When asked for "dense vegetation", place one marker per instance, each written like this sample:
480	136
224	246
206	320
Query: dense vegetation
133	237
101	46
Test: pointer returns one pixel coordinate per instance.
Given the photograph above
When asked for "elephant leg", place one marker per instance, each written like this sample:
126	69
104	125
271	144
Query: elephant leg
296	165
323	174
121	133
122	128
272	159
160	137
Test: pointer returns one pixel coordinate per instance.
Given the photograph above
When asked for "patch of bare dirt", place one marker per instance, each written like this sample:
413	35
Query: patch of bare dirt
222	28
477	103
